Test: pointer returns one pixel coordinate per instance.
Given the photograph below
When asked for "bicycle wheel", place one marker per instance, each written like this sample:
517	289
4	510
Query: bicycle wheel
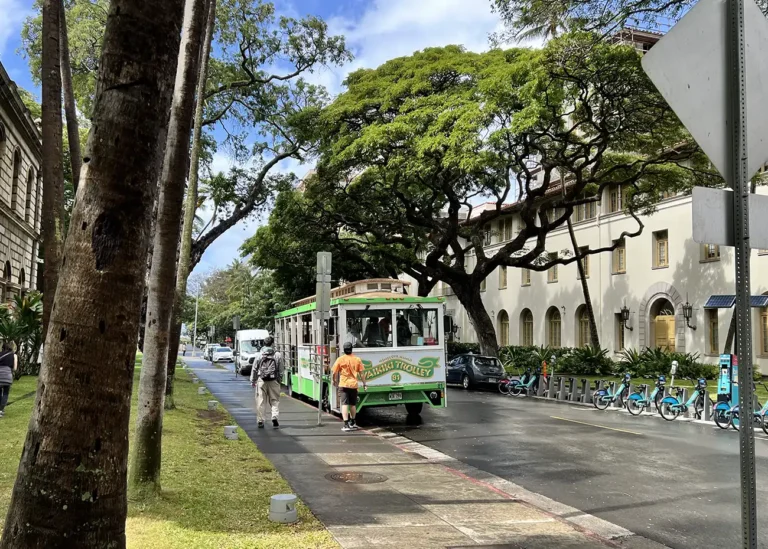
763	424
735	421
515	389
635	404
722	415
670	409
601	400
504	387
658	398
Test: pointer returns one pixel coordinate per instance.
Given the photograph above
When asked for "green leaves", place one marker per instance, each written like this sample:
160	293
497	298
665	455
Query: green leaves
21	323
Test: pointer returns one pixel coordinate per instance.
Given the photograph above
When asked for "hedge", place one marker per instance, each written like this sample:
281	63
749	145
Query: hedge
591	361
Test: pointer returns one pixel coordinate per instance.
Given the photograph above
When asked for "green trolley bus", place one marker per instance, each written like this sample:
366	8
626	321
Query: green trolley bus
399	338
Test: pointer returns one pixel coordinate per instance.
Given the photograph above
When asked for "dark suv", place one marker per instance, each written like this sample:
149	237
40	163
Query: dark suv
470	370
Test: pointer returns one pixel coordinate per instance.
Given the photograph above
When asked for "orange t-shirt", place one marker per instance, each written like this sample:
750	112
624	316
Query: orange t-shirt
348	366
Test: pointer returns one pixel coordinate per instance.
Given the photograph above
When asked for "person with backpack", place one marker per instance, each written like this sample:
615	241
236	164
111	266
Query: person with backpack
9	363
265	378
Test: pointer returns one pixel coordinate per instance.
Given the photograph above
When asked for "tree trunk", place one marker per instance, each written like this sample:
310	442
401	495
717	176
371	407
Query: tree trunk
71	486
173	353
53	175
73	130
594	337
190	206
149	422
472	301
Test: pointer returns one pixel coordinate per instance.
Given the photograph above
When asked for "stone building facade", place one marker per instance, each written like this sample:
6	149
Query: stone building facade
20	193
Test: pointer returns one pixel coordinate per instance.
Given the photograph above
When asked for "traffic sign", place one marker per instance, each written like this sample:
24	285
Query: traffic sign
713	218
689	67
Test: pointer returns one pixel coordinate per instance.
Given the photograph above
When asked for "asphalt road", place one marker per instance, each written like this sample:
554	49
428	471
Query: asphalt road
675	483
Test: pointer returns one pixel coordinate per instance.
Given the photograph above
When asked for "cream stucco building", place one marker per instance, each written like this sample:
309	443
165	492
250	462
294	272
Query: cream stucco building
20	193
653	275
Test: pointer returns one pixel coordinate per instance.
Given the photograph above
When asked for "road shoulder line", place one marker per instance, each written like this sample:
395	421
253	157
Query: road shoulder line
585	522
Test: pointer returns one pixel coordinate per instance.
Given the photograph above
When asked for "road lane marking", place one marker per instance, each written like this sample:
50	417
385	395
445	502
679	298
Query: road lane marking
598	426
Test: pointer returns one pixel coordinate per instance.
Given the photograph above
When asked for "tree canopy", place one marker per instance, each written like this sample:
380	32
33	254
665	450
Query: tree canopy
412	146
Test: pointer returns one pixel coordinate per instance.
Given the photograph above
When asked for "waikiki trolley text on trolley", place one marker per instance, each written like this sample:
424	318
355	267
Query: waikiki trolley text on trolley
400	339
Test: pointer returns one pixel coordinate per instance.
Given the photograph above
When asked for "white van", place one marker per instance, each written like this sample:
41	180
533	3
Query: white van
248	344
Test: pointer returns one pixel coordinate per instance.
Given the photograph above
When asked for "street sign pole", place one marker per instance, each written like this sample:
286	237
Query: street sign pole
323	308
739	180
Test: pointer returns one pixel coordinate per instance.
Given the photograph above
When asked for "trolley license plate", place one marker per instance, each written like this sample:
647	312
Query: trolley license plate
395	396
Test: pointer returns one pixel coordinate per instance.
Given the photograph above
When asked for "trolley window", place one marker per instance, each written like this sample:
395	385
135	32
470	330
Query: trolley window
306	330
417	327
370	328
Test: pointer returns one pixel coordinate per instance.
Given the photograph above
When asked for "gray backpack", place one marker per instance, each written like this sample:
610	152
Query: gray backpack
268	368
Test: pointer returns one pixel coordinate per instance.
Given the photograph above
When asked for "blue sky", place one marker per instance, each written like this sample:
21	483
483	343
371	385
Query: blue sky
376	30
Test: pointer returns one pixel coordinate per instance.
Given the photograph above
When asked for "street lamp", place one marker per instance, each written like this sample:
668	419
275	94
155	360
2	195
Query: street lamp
688	313
625	317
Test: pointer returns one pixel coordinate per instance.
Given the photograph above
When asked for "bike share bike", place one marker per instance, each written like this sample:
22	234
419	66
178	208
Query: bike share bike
758	416
672	406
505	384
603	397
639	401
526	385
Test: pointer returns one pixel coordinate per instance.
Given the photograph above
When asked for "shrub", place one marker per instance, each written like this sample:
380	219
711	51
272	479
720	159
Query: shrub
587	361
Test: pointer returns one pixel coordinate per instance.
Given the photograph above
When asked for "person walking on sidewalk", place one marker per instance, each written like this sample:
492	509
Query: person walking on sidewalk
265	377
346	371
9	363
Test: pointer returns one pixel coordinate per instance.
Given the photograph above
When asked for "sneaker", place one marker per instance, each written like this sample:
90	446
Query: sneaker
2	414
353	425
261	425
347	427
275	423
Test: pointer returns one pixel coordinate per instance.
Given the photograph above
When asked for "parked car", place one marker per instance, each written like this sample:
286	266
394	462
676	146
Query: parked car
223	354
208	352
473	370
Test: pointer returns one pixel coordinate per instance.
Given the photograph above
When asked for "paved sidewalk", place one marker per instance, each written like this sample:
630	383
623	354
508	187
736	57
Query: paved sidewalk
424	499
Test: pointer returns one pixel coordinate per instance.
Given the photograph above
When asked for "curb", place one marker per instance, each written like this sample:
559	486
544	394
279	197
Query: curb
607	532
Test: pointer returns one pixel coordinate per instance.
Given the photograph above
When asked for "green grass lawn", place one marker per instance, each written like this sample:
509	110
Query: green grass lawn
215	492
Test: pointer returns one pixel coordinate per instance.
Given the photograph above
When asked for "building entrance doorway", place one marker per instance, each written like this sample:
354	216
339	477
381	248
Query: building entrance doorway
663	325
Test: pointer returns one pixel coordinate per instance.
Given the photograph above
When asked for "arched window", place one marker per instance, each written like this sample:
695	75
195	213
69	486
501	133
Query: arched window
22	278
526	328
503	328
554	328
28	203
15	180
583	335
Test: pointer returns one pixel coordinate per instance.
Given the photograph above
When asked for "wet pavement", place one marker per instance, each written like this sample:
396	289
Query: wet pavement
675	483
391	492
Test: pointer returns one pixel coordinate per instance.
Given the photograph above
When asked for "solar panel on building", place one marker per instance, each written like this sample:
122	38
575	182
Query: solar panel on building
720	302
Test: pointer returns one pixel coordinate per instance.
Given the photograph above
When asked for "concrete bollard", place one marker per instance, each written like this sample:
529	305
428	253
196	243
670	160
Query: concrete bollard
282	508
573	390
213	404
230	432
586	391
201	390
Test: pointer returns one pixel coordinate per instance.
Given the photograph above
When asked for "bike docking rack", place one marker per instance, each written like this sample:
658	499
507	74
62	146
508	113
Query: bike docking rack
573	390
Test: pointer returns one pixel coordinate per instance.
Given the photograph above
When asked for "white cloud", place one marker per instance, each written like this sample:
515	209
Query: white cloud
13	14
395	28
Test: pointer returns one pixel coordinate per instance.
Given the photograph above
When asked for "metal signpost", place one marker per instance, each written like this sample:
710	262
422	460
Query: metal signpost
323	301
713	100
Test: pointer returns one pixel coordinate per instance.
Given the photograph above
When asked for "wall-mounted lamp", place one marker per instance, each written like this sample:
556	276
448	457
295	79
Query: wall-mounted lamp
688	313
625	312
562	307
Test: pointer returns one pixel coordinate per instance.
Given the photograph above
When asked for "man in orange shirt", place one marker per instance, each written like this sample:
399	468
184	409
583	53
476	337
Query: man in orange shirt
345	371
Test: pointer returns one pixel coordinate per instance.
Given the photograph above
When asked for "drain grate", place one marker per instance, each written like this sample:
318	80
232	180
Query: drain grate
352	477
